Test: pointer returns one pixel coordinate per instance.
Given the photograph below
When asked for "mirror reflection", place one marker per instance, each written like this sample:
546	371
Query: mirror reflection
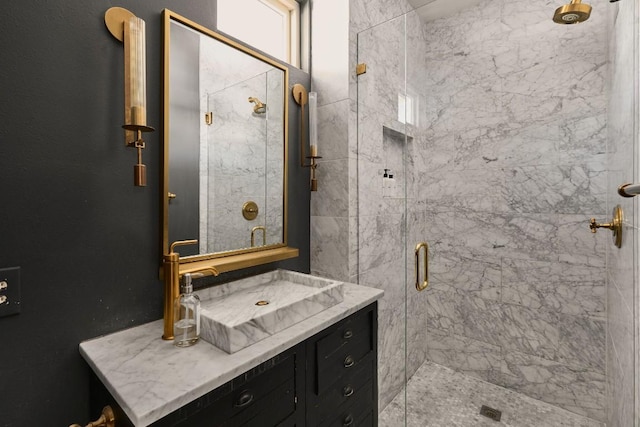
226	144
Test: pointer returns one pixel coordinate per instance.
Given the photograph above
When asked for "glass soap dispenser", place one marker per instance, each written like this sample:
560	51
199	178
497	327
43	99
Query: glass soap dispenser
186	326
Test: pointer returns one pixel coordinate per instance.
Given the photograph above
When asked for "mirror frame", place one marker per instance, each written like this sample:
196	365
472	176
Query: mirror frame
237	258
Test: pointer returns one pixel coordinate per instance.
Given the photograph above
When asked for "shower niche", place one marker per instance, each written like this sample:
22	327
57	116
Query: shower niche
394	136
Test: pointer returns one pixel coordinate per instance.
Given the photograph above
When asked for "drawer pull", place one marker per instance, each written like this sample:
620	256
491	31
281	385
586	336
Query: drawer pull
349	362
347	391
348	421
347	334
244	399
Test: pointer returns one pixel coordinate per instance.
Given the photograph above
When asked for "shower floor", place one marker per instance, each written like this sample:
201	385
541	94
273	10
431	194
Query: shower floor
441	397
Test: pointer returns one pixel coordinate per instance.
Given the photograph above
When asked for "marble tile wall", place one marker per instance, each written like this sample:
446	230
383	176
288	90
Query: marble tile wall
249	160
332	215
622	369
514	161
503	169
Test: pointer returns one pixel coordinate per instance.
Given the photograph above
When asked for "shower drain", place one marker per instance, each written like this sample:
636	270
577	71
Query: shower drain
488	412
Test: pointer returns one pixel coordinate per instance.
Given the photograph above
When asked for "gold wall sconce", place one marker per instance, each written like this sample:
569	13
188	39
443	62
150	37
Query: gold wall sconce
302	98
130	30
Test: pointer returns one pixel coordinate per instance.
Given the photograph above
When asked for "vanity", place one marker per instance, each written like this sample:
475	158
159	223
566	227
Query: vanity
321	371
279	348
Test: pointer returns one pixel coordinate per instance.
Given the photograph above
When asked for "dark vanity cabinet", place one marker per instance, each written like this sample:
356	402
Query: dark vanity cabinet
330	379
342	386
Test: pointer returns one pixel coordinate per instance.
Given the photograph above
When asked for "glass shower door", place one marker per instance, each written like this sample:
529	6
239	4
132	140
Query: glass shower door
385	253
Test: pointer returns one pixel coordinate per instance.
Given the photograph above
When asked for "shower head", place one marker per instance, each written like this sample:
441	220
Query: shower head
259	107
572	13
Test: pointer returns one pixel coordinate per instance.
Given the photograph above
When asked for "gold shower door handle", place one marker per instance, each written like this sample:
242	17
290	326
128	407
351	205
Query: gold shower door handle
422	286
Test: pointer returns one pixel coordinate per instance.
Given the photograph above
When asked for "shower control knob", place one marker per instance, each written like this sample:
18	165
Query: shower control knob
615	226
593	225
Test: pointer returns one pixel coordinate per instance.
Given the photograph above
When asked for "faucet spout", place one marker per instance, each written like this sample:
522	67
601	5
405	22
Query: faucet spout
171	266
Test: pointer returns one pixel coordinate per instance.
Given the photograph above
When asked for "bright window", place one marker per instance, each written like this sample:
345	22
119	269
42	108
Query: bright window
406	109
272	26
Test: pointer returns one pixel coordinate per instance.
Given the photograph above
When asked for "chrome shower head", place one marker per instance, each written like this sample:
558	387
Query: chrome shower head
259	107
572	13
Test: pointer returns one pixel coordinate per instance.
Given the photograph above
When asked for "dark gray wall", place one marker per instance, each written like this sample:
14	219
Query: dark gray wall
86	239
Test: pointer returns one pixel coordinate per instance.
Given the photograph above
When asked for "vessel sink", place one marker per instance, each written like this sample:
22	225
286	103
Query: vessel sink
246	311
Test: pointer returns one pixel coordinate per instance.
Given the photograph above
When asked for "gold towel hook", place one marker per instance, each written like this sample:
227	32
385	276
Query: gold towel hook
422	286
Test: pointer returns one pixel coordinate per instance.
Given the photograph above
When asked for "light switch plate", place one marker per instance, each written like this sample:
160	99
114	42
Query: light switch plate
11	278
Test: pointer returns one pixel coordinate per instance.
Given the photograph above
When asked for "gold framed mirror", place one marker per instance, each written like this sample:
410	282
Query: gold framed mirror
224	149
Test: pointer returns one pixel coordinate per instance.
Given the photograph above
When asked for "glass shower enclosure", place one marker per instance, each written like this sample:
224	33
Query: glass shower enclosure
487	140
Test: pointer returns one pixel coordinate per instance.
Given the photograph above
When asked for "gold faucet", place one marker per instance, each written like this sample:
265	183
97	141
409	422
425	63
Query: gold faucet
172	276
253	235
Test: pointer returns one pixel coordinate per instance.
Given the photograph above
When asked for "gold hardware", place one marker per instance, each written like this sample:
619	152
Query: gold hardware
349	361
259	106
171	195
615	226
361	68
302	97
300	94
107	419
262	302
629	190
130	30
422	286
208	118
250	210
172	276
264	235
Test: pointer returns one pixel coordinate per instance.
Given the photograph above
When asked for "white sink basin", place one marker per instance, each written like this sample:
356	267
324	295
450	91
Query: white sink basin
243	312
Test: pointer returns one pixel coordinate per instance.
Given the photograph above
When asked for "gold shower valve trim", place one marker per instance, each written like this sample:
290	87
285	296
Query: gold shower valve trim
615	226
250	210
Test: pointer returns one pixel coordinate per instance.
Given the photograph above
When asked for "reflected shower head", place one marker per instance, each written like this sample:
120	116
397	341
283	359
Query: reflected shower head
572	13
259	107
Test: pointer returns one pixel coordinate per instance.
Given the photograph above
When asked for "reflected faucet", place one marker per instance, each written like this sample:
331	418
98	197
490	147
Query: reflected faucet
264	235
171	266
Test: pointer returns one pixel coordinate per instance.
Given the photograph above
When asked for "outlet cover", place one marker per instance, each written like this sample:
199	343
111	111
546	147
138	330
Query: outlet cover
11	277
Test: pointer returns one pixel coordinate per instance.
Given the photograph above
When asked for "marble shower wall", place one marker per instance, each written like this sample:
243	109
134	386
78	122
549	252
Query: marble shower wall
512	165
241	155
623	140
503	169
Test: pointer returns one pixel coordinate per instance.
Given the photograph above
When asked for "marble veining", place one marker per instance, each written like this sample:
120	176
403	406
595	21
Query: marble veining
440	397
151	378
237	320
623	376
505	165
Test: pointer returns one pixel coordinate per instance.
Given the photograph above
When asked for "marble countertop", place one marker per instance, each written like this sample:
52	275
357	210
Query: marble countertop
150	378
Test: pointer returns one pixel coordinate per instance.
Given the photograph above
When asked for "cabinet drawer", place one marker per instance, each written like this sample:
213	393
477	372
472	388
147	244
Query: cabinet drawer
358	413
261	388
342	362
270	410
263	396
354	387
346	332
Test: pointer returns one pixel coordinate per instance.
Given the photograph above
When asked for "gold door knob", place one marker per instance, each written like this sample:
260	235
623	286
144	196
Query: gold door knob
615	226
